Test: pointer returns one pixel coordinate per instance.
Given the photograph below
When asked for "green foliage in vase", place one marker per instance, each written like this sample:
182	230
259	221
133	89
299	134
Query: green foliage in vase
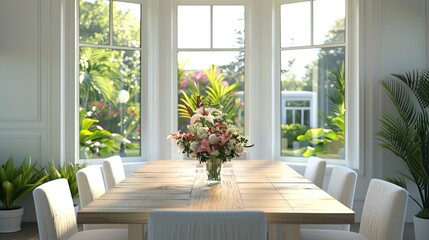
17	181
406	134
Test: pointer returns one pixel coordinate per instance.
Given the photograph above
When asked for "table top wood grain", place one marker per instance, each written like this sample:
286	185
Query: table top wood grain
285	196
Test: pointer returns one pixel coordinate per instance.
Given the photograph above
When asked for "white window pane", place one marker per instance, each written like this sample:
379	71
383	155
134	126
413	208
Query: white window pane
295	24
329	21
200	60
94	21
126	24
194	72
228	26
307	106
193	26
105	77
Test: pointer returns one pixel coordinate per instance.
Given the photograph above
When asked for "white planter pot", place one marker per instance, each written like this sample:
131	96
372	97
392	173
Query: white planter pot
10	220
421	228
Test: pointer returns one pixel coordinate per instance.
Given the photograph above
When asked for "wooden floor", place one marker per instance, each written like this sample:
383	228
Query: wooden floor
29	232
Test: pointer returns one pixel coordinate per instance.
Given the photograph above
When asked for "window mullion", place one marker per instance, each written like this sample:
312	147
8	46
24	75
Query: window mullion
111	23
311	23
211	26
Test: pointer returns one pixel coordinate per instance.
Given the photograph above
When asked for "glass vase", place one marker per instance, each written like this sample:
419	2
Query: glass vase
213	168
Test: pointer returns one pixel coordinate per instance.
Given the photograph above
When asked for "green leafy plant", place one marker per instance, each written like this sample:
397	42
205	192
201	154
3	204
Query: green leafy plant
320	138
17	181
96	141
217	95
406	134
67	171
292	131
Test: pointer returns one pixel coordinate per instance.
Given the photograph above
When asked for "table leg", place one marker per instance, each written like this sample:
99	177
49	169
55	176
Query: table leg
136	232
292	231
283	231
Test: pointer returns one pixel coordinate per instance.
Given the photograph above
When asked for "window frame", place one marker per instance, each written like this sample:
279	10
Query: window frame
145	73
353	145
175	50
159	88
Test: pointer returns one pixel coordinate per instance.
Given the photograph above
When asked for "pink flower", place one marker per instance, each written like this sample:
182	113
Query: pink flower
199	75
175	136
223	139
204	146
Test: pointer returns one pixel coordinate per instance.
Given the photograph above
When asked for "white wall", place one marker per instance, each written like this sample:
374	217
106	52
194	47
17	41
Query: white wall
393	39
29	83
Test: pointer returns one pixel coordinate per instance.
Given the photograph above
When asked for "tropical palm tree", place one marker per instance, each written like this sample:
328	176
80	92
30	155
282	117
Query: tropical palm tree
406	134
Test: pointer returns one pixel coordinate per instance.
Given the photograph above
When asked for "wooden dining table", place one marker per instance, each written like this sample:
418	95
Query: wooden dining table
286	197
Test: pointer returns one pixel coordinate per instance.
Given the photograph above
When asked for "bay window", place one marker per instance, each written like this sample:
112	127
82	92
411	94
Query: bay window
295	87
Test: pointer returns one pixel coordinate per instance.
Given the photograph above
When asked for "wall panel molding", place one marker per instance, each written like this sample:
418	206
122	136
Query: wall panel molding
20	63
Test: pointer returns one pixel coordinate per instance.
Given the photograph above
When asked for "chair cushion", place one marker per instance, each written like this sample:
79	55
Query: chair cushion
316	234
102	234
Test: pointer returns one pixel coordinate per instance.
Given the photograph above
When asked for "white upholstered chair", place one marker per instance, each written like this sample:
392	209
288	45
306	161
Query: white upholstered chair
383	216
315	170
91	186
113	171
207	225
342	185
56	216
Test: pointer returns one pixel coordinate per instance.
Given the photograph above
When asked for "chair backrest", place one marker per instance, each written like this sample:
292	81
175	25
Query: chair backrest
207	225
113	171
383	214
315	170
342	187
54	210
90	183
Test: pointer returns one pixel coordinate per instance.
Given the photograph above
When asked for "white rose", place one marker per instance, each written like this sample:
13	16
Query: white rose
194	146
193	155
202	132
213	139
239	149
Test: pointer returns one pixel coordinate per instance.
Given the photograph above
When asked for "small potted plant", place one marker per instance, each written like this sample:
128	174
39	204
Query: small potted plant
16	182
67	171
406	134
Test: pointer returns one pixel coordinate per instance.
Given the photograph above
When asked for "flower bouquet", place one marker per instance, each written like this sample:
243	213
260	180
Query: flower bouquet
211	138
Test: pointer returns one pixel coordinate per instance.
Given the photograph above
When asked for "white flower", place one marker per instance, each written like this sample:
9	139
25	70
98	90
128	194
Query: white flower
180	146
194	146
239	149
193	155
213	139
202	132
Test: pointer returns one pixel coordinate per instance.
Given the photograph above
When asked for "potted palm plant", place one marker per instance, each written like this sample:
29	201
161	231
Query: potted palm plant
16	182
406	135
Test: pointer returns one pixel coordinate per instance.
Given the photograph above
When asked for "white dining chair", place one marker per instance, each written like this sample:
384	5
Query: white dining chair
315	170
56	217
91	186
342	185
113	171
207	225
383	216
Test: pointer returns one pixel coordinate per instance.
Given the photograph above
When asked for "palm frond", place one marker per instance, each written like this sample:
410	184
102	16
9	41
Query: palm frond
406	135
